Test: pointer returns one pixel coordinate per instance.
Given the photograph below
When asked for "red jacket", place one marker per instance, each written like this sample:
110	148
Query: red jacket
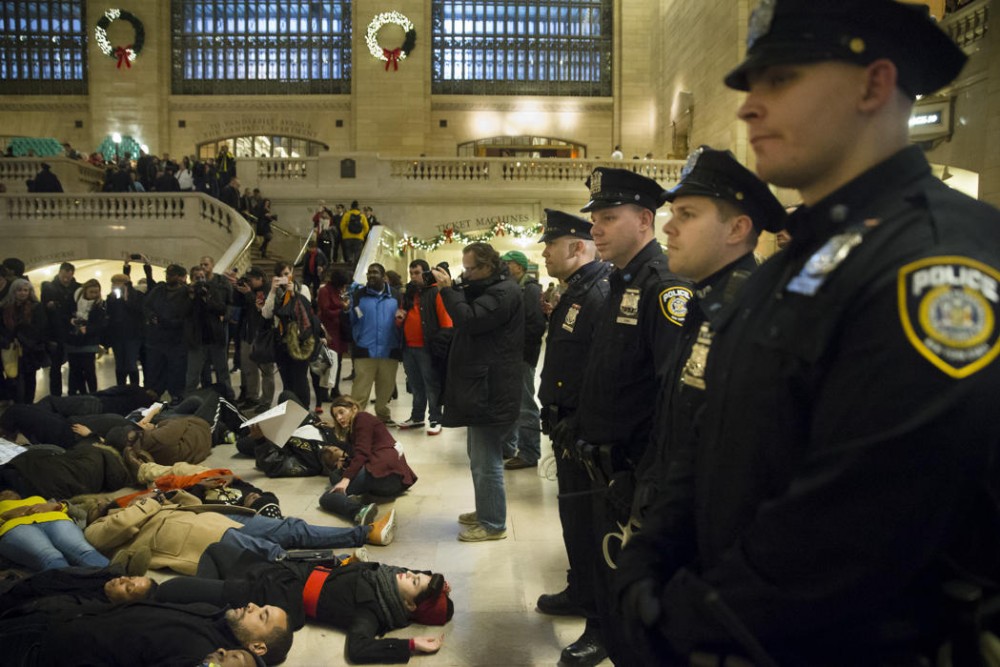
374	448
331	305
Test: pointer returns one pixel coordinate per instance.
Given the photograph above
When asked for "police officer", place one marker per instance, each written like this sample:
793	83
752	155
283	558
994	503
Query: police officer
847	456
571	257
635	332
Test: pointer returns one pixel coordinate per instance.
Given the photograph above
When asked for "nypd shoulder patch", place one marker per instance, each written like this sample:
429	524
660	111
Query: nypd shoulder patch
673	303
948	307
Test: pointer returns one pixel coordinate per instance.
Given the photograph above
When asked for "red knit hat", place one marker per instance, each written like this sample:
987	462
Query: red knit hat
435	611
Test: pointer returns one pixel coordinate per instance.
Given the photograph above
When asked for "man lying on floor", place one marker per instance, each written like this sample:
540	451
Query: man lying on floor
142	633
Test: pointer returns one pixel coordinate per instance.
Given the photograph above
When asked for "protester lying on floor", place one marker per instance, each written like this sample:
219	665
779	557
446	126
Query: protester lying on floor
143	633
364	599
177	531
89	467
37	534
54	588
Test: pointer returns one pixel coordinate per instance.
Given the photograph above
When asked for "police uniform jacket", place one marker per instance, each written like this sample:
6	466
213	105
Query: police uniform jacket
484	364
849	437
666	472
571	330
636	331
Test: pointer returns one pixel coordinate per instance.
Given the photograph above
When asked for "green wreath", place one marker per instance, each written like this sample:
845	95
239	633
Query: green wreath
123	54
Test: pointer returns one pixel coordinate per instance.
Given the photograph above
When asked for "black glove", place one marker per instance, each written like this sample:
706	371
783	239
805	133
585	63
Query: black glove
640	608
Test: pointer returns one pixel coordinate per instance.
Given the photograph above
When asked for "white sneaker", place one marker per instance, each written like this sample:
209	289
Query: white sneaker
409	423
433	428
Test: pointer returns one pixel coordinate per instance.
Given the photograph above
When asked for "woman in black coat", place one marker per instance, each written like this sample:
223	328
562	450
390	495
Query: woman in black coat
22	319
364	599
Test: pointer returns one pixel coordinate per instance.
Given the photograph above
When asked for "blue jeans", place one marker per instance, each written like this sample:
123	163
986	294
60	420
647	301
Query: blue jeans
524	439
485	448
270	537
48	545
424	382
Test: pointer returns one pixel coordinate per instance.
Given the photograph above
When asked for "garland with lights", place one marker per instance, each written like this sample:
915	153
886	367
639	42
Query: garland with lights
390	56
449	235
124	54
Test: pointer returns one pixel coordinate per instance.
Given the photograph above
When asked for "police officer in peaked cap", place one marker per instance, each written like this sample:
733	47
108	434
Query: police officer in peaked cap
635	331
571	257
847	449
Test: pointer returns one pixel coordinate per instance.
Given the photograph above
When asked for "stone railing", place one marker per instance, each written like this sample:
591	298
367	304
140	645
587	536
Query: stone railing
525	171
968	25
169	228
74	175
284	169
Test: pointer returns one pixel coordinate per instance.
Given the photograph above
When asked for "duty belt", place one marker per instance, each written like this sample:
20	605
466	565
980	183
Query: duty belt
600	461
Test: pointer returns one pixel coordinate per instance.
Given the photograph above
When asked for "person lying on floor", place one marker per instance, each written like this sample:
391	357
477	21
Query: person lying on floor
118	400
37	534
143	633
88	467
212	486
177	531
55	588
303	455
364	599
371	463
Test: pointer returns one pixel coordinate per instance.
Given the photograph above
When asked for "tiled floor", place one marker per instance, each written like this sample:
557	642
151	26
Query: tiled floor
494	584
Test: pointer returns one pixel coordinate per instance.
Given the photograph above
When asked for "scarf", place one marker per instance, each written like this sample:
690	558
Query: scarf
83	305
383	579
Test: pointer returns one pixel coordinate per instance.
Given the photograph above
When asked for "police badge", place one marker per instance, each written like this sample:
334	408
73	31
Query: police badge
694	368
823	262
595	183
569	323
760	22
628	311
948	307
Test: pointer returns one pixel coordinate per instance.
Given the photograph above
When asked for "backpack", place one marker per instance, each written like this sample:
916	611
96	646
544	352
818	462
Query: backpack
354	223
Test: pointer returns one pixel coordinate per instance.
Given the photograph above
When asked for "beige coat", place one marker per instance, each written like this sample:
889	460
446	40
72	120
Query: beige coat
177	535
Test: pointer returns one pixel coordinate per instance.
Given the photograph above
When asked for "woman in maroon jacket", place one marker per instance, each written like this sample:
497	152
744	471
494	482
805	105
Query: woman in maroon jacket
373	462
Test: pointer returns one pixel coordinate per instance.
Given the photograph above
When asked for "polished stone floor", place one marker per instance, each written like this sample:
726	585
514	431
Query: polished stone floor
494	584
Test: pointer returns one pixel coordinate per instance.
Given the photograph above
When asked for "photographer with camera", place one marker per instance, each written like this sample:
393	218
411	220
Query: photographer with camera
257	372
83	343
124	308
297	328
205	332
427	331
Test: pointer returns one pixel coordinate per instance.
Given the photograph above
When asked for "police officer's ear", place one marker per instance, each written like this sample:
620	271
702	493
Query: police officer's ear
741	231
880	86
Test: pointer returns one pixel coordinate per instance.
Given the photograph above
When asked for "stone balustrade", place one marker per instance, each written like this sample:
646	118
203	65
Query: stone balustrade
968	25
74	175
45	228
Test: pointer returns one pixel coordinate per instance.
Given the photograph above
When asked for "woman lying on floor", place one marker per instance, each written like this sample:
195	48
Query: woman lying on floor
364	599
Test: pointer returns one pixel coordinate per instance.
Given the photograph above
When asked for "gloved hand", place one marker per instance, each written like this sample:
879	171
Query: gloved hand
640	605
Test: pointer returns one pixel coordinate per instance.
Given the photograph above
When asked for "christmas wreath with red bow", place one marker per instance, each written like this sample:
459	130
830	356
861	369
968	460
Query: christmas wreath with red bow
391	56
123	54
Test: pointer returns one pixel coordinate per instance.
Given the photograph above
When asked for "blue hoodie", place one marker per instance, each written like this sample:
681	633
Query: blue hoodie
375	333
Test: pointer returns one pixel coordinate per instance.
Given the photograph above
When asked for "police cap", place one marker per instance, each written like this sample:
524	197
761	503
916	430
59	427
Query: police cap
559	224
857	31
717	174
614	187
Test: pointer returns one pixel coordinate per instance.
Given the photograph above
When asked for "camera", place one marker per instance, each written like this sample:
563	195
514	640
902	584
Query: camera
135	255
428	278
117	291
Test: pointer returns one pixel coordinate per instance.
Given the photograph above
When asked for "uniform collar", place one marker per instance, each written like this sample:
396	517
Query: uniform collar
855	201
711	294
584	272
651	250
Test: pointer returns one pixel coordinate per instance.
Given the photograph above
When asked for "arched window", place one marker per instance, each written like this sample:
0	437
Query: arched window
523	146
43	48
522	47
263	146
260	47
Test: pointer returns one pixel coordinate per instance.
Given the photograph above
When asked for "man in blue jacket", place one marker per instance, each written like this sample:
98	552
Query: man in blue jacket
375	320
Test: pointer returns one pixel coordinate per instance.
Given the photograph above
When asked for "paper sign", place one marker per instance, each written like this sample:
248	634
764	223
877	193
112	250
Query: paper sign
9	450
278	423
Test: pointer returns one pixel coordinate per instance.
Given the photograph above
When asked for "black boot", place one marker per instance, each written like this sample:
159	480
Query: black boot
586	651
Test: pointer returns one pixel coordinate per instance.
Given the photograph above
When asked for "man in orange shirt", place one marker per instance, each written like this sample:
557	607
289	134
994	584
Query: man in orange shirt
427	333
